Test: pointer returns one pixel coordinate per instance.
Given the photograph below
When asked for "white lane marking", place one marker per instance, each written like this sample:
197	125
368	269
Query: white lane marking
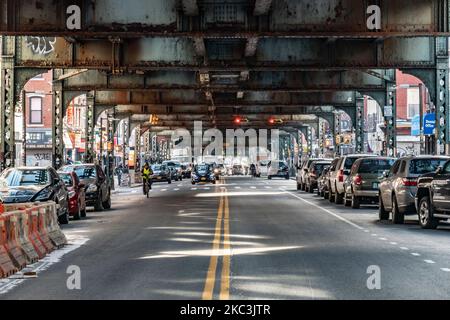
205	189
374	235
176	189
429	261
383	239
237	187
415	254
180	185
404	248
393	243
252	187
445	269
162	190
269	187
367	231
193	188
327	211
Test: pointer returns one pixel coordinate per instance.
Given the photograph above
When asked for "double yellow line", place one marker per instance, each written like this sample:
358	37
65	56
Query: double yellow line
223	217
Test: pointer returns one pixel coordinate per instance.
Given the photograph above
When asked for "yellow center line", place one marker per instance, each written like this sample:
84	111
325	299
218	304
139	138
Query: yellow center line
211	275
225	283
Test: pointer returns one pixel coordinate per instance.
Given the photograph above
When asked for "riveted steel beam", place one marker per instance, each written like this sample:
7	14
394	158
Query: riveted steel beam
57	121
90	129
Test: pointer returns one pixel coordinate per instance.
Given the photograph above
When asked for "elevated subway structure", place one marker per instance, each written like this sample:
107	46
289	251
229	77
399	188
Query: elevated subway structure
192	60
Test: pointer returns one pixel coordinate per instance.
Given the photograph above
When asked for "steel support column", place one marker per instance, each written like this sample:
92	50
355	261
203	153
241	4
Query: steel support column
390	118
7	102
110	153
337	133
442	97
309	138
126	138
57	120
90	129
359	126
137	154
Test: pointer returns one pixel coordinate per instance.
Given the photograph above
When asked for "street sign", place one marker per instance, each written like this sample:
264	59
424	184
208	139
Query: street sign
429	124
388	111
415	126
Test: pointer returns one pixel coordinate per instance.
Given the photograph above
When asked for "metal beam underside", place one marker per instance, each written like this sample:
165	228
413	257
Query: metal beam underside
138	17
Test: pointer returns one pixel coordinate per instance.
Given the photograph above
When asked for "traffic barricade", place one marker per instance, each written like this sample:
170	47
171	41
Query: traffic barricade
43	235
7	267
24	241
12	241
52	226
33	233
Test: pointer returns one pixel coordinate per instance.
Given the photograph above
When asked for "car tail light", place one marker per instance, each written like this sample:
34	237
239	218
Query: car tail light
410	182
341	176
357	180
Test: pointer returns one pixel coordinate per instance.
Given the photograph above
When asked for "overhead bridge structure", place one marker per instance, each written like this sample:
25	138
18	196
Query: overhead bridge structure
188	60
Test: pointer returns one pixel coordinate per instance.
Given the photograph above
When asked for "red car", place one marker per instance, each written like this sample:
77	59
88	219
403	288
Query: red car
77	194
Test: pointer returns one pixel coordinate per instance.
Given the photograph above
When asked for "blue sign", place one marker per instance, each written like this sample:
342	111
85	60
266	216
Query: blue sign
415	126
429	124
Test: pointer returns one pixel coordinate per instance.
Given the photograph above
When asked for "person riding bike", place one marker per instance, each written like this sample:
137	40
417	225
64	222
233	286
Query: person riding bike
146	176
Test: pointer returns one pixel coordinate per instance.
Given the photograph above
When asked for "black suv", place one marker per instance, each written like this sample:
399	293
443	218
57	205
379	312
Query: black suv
98	188
433	197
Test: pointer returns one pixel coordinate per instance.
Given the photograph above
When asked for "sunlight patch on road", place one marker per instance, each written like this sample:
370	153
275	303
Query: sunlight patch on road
218	253
240	194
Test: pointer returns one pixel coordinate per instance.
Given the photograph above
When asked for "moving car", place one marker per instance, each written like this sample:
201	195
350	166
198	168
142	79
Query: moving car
237	170
175	169
161	173
203	173
31	184
399	186
301	172
185	171
325	179
98	188
362	185
277	169
261	168
313	174
336	183
433	197
77	194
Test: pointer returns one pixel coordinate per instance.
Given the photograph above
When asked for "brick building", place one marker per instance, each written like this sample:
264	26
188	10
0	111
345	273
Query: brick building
38	120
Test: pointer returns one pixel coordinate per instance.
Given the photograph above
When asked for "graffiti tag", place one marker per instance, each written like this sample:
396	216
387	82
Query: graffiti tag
41	45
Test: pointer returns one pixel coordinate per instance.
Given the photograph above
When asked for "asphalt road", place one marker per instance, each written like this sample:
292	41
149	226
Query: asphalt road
241	239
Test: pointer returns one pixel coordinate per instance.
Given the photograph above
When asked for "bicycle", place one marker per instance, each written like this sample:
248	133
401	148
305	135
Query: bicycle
146	187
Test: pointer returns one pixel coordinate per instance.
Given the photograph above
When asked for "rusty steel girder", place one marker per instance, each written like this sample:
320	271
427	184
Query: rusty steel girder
142	17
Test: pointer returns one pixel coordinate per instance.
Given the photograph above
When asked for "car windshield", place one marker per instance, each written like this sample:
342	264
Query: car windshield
422	166
375	166
16	178
202	168
157	168
319	167
85	172
349	163
276	164
67	179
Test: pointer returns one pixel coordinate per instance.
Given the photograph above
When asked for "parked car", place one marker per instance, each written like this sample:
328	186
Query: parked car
175	169
31	184
322	182
261	168
203	173
277	169
432	199
98	188
325	179
77	194
362	185
339	175
237	170
161	173
302	170
313	174
399	187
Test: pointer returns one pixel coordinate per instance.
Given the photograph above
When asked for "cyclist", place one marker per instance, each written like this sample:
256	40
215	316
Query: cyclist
146	173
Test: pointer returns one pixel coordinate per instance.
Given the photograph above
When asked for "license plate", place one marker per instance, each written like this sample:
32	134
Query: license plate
203	179
159	178
375	185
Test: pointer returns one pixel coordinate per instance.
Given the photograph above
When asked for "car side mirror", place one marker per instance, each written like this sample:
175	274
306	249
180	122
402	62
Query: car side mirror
439	170
385	174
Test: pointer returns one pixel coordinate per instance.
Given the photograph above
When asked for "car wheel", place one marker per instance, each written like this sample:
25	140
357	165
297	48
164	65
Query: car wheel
193	183
310	188
169	181
77	215
269	177
356	202
107	203
83	212
330	194
299	187
347	202
426	214
338	198
99	204
397	216
382	213
64	219
287	177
